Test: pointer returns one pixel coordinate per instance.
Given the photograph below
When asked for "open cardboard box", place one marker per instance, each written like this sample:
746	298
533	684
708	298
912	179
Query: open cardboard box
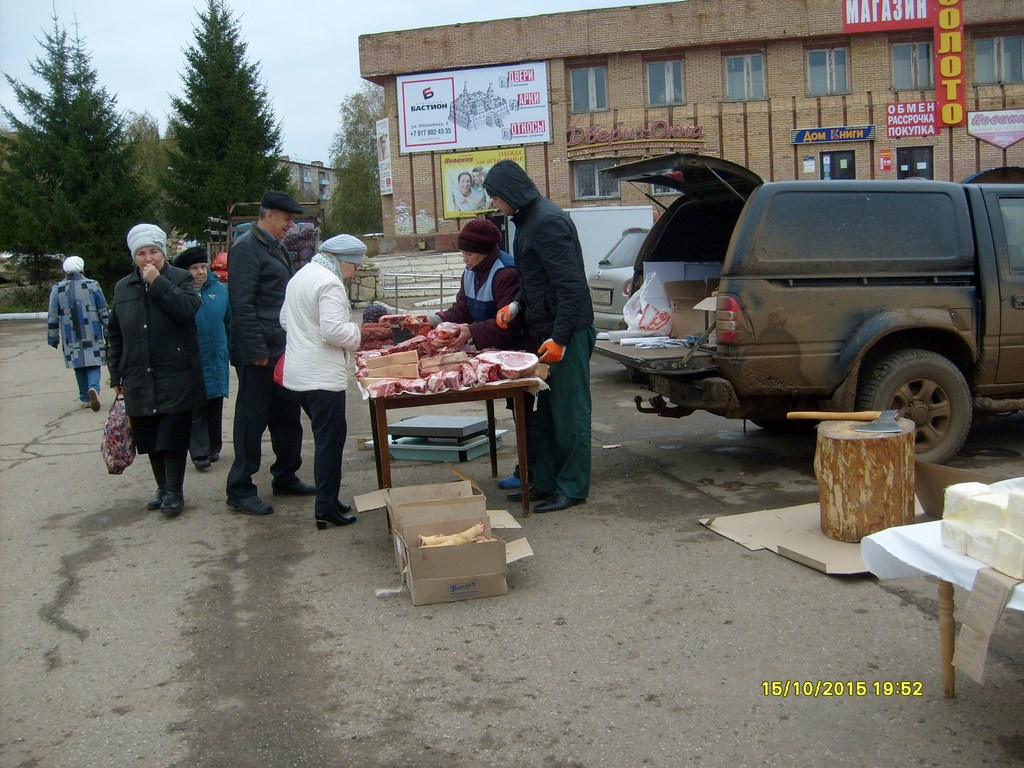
446	574
684	296
795	532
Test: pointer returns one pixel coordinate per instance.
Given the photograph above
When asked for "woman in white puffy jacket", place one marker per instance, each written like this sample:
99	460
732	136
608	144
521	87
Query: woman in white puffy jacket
321	339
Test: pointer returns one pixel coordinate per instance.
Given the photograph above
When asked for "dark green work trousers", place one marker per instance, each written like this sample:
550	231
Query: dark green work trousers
563	422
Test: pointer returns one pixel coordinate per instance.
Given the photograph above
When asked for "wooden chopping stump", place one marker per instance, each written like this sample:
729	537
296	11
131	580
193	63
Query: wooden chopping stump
865	479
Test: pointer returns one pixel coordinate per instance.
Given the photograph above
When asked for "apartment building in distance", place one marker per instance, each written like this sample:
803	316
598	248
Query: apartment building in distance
873	89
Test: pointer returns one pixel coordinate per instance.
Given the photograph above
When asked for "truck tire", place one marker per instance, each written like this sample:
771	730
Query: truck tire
926	388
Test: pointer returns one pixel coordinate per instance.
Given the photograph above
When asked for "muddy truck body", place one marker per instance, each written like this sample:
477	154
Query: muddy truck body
839	296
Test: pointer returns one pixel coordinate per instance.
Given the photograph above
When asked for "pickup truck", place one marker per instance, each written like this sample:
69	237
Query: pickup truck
839	296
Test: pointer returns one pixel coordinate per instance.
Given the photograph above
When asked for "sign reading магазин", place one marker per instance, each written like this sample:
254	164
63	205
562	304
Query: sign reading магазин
470	108
945	18
1002	128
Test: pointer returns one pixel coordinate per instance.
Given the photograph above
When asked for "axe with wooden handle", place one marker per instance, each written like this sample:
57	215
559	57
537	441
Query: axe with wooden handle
880	421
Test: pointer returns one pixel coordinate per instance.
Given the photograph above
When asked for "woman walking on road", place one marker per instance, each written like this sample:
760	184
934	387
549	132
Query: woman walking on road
78	317
155	360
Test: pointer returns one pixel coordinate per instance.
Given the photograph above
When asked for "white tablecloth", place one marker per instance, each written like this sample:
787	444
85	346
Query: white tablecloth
916	550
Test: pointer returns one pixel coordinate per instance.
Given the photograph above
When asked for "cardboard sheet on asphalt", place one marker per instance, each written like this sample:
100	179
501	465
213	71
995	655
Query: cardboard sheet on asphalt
793	532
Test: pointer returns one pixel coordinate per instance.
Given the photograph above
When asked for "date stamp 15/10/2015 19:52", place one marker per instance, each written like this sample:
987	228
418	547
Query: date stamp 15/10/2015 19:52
840	688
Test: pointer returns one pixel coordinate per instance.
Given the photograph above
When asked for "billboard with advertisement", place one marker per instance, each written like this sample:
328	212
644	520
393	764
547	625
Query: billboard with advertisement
384	156
469	108
462	176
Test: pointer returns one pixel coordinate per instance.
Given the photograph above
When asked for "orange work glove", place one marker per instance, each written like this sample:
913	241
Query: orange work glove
506	314
551	351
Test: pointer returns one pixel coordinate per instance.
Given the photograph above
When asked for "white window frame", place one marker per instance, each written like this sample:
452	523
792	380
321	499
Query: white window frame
922	69
993	63
753	81
837	75
672	92
597	93
591	170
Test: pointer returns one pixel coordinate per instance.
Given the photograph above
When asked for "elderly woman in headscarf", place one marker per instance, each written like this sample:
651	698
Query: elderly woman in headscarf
321	339
155	360
78	316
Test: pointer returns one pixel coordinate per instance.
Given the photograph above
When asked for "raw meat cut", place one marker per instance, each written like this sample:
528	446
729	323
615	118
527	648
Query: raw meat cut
513	364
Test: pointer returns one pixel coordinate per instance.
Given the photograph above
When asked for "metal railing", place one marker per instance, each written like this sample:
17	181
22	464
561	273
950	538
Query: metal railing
417	282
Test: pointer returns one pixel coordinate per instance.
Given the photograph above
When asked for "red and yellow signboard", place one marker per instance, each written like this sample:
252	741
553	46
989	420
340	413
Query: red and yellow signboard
945	17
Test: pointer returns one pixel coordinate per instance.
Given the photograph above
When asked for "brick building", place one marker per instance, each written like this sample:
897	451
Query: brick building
792	90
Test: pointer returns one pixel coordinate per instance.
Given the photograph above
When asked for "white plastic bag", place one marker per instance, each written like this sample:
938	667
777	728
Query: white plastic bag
649	308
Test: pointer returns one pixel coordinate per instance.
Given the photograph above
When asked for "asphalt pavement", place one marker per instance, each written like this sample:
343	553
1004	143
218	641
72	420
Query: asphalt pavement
634	637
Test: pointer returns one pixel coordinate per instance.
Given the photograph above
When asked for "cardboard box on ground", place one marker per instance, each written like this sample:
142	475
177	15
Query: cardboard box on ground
449	573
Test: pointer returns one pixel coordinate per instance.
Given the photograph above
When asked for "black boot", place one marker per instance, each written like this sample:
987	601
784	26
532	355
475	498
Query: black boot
156	463
174	468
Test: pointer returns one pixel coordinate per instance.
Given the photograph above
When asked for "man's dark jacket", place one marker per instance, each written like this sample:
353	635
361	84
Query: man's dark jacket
260	269
553	287
153	347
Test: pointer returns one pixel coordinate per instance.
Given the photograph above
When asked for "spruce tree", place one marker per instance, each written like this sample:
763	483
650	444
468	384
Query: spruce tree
226	140
68	181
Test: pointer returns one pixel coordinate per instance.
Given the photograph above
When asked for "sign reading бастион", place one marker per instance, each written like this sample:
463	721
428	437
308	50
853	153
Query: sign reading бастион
471	108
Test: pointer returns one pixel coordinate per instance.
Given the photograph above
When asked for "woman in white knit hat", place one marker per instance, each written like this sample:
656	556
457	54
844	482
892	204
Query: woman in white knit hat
155	360
321	338
76	322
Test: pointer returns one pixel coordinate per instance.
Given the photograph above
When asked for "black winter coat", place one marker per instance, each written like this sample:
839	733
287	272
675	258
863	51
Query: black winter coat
153	347
260	268
553	288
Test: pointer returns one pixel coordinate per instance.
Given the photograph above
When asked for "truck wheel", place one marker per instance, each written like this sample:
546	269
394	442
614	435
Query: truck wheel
927	388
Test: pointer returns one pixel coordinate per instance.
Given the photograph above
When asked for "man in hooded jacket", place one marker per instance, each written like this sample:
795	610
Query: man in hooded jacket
555	301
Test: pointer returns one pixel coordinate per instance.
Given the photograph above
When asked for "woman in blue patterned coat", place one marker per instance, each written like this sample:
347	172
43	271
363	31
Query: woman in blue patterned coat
78	317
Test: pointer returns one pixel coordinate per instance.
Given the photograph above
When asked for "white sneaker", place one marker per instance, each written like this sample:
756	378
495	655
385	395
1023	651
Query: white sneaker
94	399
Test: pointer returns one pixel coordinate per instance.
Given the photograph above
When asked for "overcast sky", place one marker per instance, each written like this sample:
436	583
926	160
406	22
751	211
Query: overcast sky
308	51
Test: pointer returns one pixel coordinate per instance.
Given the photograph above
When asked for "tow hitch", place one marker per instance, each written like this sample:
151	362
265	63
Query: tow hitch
661	408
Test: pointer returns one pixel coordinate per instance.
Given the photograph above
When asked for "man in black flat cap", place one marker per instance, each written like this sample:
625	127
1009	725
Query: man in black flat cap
260	268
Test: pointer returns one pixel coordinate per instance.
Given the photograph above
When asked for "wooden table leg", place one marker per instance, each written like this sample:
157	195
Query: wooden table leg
519	412
492	438
379	412
947	637
376	440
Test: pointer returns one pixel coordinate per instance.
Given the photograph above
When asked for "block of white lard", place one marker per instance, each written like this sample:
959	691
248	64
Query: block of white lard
954	535
1009	553
956	497
988	510
981	543
1015	512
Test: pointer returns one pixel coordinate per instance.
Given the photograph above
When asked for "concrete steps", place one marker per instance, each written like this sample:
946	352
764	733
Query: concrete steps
419	280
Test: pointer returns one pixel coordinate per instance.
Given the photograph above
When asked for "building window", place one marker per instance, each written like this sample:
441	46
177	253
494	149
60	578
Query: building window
665	83
827	72
307	177
589	90
744	77
590	182
999	59
912	67
660	189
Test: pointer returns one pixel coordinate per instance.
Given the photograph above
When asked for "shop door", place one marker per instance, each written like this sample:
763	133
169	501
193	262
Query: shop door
914	161
838	165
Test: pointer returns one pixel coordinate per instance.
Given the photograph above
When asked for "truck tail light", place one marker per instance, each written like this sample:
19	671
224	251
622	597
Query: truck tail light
728	313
